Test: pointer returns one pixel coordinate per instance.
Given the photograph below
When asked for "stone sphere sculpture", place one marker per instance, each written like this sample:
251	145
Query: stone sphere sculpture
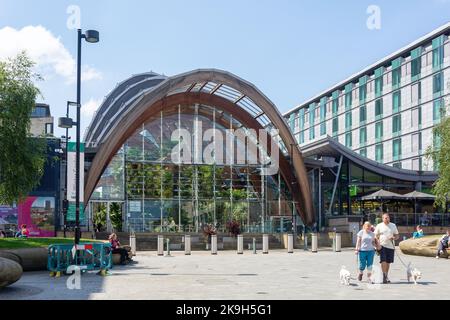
10	272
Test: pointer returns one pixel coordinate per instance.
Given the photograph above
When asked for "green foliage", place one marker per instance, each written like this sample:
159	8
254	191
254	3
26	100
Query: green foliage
115	214
22	159
440	153
17	243
99	217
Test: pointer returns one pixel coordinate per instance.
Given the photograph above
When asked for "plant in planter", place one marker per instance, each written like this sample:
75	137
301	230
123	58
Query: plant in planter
234	228
208	230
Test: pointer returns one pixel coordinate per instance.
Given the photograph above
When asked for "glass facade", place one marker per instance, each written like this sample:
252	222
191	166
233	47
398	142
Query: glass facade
158	192
397	98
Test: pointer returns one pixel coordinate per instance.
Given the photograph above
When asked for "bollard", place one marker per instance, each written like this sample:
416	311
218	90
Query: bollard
265	244
334	240
168	247
133	243
305	241
290	243
240	244
187	245
254	245
314	242
214	244
338	242
160	245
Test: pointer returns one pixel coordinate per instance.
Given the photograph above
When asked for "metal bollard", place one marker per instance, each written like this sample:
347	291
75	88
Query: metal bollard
168	247
338	242
290	243
133	244
214	244
187	245
160	245
240	244
305	241
265	244
254	246
314	242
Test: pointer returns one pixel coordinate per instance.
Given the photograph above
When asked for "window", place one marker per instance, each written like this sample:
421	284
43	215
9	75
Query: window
416	117
437	83
362	114
291	121
335	102
49	128
396	149
396	123
362	135
396	101
438	111
416	164
348	140
379	130
323	113
378	86
416	93
416	63
348	120
323	128
362	91
378	108
416	142
438	51
379	152
311	133
363	152
335	126
348	96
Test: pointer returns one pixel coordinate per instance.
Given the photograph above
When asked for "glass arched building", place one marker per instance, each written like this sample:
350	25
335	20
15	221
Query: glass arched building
204	147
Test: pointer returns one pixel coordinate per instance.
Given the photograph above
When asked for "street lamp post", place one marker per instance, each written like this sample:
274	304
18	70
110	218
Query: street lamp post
91	36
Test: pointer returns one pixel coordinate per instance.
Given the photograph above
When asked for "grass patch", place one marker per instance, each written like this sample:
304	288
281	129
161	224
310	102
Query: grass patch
17	243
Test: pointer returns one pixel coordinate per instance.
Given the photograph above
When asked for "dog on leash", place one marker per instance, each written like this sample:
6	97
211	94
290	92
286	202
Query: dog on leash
413	273
344	276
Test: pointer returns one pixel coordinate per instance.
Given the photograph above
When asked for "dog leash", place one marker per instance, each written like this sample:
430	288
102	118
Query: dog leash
398	256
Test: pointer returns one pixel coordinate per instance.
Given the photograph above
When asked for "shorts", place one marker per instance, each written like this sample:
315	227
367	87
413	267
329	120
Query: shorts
387	255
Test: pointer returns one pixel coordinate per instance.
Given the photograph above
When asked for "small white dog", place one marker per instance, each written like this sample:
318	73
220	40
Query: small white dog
413	273
344	276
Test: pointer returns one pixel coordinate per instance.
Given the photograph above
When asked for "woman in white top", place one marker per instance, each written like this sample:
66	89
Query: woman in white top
365	247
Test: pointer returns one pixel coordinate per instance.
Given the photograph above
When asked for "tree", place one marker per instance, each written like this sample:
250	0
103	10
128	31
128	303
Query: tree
22	158
439	152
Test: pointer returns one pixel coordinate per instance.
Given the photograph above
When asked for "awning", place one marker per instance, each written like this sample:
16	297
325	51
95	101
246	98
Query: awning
419	195
383	195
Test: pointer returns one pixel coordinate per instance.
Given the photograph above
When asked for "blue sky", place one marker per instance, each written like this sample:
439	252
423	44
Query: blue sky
291	50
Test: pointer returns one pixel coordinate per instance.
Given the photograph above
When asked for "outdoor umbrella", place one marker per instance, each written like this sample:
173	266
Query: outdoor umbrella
382	195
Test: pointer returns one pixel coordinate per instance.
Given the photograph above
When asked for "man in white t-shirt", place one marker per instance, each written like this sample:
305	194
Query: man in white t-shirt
386	232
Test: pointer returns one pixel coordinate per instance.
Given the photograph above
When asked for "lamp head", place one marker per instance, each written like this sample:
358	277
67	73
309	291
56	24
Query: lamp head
92	36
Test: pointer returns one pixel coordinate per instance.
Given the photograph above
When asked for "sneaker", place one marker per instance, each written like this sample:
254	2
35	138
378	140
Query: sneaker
360	276
437	257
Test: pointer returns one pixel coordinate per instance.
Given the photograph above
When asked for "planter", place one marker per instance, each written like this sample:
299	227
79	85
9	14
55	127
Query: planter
31	259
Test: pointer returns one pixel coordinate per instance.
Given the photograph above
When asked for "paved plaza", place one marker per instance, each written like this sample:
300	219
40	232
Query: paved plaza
277	275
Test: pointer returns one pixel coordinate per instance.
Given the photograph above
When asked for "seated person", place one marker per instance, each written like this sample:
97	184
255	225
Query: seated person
23	232
443	244
418	233
116	248
2	234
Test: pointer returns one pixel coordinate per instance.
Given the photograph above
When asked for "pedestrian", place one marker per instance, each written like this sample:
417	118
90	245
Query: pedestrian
443	244
386	233
365	248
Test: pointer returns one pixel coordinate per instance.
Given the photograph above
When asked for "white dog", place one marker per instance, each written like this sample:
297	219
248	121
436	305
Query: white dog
344	276
413	273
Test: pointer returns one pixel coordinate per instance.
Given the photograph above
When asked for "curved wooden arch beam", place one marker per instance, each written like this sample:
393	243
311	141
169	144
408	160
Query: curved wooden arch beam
156	100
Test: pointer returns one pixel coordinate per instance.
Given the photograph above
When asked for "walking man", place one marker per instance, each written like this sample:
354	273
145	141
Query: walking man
386	233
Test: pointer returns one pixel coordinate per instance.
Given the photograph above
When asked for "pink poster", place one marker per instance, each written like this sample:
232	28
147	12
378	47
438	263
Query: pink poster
38	214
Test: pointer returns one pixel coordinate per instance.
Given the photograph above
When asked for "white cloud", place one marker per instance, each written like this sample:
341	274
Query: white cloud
88	108
50	55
